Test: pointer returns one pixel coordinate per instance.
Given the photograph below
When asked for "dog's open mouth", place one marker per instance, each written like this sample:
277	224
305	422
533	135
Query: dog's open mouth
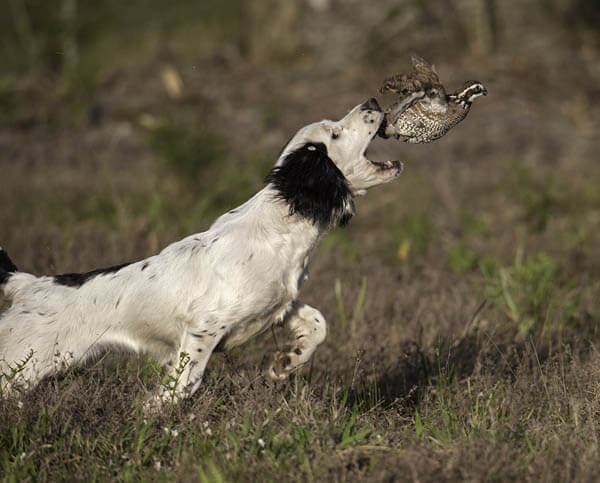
385	165
382	165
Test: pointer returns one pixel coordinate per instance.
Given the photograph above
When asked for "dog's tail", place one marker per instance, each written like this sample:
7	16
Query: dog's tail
7	268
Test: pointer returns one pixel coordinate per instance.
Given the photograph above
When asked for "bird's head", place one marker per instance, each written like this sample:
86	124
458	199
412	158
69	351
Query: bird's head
470	91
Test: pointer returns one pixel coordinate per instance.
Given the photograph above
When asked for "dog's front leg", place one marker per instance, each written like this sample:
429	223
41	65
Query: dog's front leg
184	375
309	329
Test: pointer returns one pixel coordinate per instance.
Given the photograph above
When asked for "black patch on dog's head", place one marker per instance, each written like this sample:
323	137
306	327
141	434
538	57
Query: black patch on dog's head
78	279
313	186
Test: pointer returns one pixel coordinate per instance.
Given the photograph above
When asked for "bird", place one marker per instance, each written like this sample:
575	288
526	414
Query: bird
424	111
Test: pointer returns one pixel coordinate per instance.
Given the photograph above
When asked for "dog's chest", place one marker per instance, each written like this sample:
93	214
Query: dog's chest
276	303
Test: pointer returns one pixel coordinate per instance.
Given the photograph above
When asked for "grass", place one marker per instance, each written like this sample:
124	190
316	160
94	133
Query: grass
413	234
304	427
461	259
200	161
360	298
534	297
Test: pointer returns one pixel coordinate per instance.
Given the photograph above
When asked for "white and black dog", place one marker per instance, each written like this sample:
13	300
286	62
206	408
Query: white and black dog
211	290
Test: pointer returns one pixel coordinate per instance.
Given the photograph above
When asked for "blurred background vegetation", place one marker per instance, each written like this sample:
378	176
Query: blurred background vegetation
197	98
126	125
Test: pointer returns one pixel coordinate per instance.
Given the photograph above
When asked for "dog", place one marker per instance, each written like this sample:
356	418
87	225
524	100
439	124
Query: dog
210	291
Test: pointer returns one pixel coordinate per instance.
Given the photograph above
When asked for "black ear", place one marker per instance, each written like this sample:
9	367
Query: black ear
313	186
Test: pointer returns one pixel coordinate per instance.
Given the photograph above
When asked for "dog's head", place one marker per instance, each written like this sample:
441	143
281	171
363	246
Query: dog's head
324	166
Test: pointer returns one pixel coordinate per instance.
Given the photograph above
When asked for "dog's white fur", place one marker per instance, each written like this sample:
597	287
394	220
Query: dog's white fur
220	287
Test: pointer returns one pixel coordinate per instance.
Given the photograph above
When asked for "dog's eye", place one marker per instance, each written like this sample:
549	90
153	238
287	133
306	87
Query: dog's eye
335	135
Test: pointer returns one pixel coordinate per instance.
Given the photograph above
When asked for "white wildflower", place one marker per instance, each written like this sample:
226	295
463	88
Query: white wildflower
172	432
261	443
157	465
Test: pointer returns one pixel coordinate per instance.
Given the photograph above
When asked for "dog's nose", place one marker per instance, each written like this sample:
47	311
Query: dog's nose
370	105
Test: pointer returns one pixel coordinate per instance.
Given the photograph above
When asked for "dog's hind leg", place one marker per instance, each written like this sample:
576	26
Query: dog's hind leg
309	329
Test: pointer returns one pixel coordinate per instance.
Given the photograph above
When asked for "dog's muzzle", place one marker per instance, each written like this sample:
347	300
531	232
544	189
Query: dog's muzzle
370	105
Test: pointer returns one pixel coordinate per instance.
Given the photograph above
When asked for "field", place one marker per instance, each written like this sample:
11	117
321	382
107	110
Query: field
463	300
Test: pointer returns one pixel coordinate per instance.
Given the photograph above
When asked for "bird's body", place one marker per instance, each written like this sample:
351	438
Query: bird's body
424	111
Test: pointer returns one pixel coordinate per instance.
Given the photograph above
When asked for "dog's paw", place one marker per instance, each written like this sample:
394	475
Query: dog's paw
284	363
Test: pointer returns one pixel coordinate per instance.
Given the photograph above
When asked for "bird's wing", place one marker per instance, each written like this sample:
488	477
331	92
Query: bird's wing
397	109
403	84
393	83
424	71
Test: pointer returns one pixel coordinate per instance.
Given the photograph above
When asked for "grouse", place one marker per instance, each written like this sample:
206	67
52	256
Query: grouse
424	111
